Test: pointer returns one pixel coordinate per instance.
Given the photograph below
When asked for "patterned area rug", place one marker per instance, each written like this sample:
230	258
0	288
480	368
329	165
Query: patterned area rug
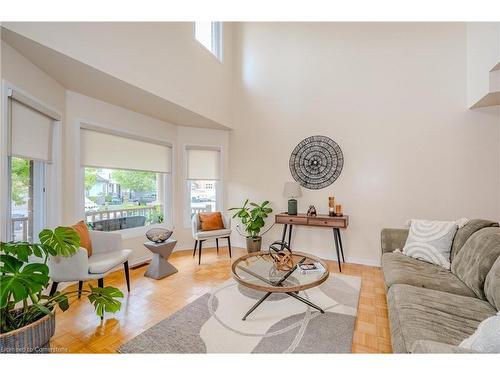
212	323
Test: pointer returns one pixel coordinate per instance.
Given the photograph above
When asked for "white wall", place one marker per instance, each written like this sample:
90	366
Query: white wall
394	97
83	109
483	53
162	58
22	74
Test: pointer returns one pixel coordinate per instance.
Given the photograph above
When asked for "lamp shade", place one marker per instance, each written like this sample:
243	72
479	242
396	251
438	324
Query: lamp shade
292	190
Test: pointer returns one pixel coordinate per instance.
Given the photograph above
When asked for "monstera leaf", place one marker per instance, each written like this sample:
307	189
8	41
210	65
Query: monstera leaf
63	241
22	250
104	300
18	282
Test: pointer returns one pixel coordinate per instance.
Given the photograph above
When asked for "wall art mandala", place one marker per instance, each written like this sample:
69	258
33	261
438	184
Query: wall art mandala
316	162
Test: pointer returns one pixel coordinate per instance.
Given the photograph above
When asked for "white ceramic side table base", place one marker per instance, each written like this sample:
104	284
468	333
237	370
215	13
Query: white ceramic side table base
159	266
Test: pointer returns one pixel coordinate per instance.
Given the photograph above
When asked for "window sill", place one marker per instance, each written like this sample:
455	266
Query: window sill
139	231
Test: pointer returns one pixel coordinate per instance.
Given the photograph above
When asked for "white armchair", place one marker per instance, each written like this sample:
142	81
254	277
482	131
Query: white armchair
201	236
107	253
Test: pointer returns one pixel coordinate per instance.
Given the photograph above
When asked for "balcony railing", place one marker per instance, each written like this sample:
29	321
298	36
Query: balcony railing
92	216
19	228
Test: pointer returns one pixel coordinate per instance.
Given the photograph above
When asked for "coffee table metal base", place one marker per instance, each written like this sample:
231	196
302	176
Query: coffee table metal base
291	294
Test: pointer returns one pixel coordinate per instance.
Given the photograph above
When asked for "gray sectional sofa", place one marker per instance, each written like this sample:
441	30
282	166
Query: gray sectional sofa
431	310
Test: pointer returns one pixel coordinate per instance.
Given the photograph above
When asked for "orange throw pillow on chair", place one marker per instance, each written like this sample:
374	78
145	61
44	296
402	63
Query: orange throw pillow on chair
83	231
211	221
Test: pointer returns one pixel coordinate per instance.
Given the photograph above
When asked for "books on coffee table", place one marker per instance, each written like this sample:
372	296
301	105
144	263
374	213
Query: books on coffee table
311	268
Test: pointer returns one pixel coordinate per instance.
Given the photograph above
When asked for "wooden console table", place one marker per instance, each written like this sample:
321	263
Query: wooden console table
325	221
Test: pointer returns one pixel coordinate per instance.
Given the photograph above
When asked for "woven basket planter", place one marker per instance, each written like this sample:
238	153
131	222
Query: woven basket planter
33	338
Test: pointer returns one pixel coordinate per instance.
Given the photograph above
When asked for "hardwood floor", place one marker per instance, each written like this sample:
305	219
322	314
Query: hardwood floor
79	330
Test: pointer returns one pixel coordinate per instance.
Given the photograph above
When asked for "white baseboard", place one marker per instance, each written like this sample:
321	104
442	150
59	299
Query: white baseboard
362	261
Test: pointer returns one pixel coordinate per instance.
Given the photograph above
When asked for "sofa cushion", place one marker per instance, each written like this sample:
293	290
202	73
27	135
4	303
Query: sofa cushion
83	231
104	262
431	240
400	269
492	285
425	314
466	231
476	258
211	221
212	234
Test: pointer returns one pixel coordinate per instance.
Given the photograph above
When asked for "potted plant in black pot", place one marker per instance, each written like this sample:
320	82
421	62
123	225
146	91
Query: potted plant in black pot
27	314
252	216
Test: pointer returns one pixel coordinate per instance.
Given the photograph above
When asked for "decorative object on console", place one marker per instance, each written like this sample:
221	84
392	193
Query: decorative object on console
292	190
316	162
252	216
331	206
311	211
158	235
338	210
282	256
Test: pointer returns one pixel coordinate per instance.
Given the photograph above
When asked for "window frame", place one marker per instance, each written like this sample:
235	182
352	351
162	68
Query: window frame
51	203
219	184
168	182
217	40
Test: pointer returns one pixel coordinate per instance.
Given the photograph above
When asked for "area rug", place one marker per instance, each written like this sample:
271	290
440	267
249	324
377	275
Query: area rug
212	323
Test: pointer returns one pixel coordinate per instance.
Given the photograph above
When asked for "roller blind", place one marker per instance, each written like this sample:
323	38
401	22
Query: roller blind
203	164
31	133
105	150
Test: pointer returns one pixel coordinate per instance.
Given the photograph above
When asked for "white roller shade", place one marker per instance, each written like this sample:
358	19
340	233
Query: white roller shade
203	164
105	150
31	133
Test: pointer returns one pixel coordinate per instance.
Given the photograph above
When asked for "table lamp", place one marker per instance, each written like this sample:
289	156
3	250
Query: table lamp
292	190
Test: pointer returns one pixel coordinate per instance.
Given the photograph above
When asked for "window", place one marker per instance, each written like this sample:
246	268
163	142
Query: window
209	34
203	181
27	198
28	163
118	199
126	181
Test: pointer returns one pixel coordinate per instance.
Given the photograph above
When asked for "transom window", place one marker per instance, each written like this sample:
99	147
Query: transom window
209	34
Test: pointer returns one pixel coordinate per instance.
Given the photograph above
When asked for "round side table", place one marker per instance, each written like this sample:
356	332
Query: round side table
159	266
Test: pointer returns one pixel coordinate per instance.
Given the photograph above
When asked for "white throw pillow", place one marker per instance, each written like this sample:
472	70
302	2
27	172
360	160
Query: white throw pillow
431	241
486	339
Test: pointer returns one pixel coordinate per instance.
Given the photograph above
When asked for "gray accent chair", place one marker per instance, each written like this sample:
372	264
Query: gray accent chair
201	236
107	254
432	310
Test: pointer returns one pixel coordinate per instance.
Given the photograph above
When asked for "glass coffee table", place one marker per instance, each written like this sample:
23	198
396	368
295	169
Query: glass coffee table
257	271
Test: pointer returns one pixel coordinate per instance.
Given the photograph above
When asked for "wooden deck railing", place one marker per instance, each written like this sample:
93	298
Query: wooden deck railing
19	234
92	216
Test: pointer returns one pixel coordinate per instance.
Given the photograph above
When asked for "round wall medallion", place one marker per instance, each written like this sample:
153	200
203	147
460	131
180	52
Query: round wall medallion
316	162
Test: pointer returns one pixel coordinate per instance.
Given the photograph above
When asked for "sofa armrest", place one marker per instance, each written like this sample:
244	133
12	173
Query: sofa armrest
428	346
392	239
72	268
103	242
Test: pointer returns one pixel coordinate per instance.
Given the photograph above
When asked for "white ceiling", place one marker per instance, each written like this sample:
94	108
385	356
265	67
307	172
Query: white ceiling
82	78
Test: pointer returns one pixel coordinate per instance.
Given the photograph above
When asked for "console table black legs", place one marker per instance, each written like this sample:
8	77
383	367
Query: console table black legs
336	237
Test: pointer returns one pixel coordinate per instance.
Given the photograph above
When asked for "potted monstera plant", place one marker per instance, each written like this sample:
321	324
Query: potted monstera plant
252	216
27	313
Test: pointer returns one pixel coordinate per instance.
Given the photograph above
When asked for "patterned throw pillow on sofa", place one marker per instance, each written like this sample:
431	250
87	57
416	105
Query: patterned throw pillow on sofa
431	241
